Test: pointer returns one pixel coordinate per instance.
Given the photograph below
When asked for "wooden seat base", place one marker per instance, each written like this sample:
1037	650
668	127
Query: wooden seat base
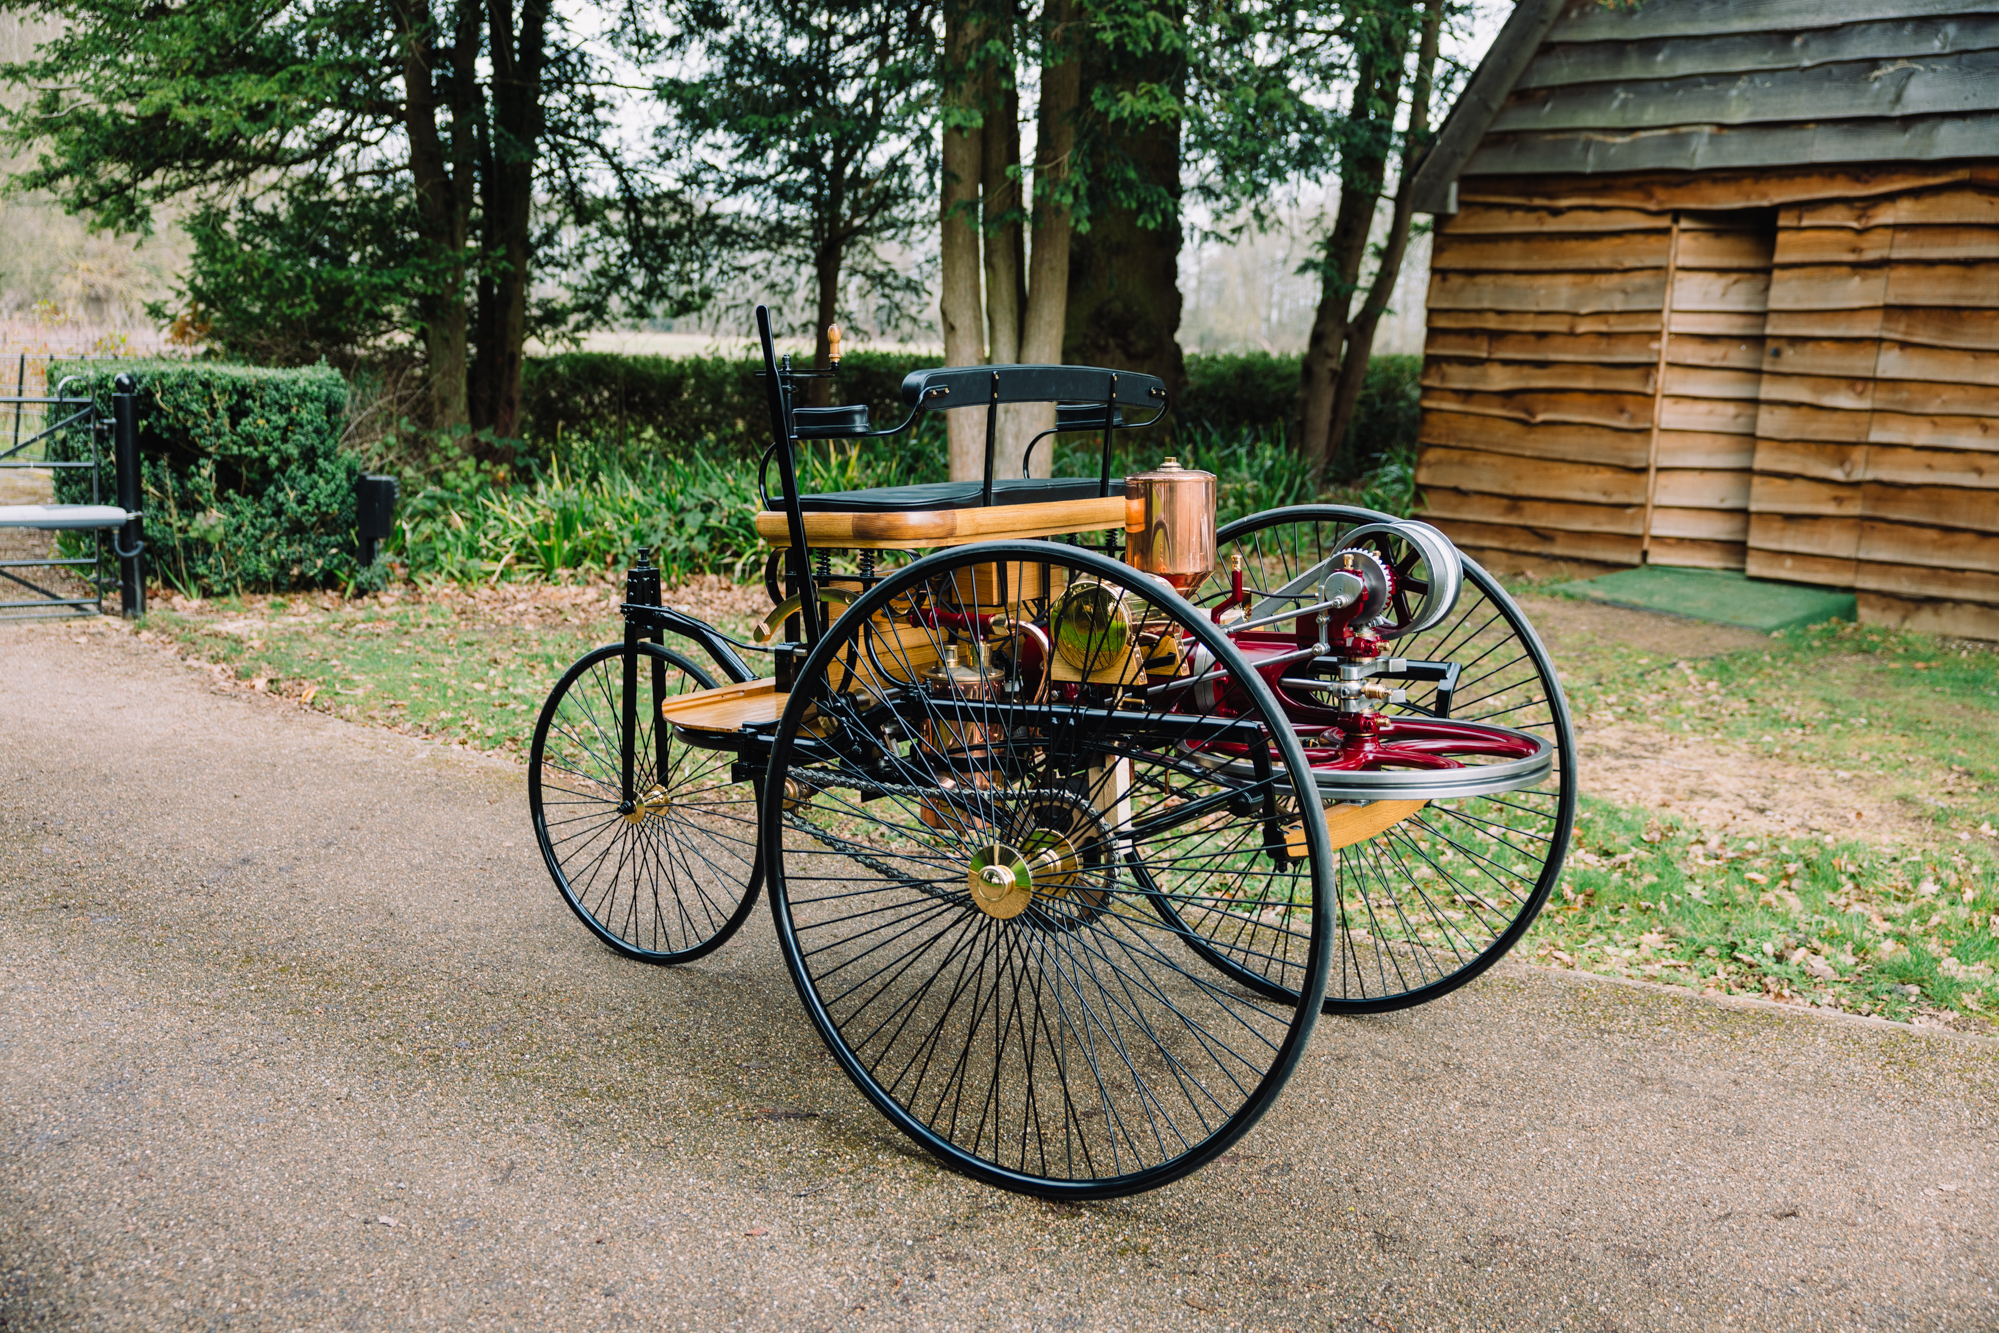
1348	824
726	708
946	527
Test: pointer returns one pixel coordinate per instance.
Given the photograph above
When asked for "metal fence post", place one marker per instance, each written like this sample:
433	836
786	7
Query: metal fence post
130	546
374	514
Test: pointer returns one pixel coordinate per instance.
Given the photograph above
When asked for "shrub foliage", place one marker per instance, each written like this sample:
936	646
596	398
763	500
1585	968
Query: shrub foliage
246	485
681	402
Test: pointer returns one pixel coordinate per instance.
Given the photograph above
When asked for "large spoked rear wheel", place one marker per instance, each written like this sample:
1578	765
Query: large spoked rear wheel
971	825
1434	900
669	878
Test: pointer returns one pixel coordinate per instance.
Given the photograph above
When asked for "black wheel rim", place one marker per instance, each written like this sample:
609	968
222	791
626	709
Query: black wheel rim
674	883
1434	901
1081	1048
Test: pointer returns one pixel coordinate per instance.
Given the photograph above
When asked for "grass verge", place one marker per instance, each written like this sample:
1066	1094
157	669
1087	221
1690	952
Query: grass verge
468	666
1837	924
1909	717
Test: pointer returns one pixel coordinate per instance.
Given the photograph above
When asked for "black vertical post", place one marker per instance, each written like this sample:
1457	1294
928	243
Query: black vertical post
374	514
798	559
130	546
992	442
20	392
1110	422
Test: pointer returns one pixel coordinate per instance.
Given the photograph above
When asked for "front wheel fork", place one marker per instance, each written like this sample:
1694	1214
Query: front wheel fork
641	589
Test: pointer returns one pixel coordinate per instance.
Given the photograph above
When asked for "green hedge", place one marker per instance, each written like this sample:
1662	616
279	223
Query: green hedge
1240	391
678	402
683	401
246	485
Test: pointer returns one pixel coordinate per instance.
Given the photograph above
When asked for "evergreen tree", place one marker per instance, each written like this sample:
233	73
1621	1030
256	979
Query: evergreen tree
353	168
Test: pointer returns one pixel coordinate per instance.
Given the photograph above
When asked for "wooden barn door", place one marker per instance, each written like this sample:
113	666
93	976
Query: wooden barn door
1590	380
1877	463
1705	388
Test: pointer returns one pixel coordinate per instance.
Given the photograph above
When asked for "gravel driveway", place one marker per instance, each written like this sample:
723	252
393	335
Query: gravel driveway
297	1035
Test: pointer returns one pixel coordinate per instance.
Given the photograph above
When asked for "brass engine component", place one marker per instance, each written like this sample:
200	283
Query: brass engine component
960	744
833	603
1093	626
1102	635
1169	523
953	679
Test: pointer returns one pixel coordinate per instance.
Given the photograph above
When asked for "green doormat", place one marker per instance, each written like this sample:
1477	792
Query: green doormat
1720	595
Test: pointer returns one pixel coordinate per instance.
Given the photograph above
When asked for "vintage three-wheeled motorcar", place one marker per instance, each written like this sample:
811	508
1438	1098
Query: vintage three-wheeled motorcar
1074	811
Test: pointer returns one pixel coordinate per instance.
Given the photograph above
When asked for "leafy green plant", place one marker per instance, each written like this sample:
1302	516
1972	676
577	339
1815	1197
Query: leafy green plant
588	508
599	499
1233	391
245	482
626	451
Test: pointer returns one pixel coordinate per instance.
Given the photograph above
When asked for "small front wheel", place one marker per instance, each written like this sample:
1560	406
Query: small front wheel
672	876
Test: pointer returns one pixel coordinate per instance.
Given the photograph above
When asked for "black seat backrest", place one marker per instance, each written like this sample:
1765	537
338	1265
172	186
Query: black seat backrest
1085	396
830	423
948	387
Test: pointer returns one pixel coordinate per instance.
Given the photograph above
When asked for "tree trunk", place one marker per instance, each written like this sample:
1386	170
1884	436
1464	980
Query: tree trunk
826	275
468	131
960	309
1375	94
485	320
1360	339
1005	239
1124	278
1048	257
517	124
441	225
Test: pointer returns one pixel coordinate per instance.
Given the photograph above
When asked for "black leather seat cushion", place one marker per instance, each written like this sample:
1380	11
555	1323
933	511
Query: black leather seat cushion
954	495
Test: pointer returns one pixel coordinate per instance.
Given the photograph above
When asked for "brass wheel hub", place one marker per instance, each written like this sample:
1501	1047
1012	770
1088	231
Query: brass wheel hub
652	803
999	882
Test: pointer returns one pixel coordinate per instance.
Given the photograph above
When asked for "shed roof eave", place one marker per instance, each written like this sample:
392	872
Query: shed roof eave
1433	187
1712	147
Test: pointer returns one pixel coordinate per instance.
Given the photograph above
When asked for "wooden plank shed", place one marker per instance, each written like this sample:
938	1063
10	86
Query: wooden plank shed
1716	283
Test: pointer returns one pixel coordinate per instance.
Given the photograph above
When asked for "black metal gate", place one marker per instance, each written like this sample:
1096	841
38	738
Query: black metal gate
74	536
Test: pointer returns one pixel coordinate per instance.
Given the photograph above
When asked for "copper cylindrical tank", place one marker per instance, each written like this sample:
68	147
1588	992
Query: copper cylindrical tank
1169	523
